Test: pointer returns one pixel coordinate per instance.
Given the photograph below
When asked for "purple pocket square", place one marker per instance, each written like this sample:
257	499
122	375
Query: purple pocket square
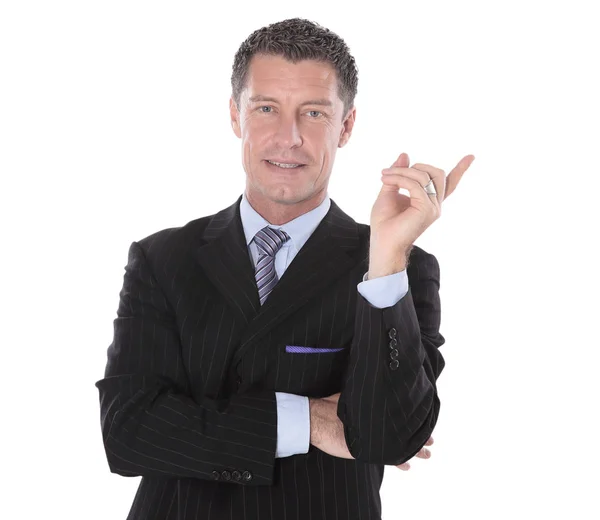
308	350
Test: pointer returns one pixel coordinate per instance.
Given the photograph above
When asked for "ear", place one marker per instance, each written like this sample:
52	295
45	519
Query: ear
235	118
347	126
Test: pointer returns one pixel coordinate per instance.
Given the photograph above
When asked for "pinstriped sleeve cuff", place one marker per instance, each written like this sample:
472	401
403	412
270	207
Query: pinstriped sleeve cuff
293	424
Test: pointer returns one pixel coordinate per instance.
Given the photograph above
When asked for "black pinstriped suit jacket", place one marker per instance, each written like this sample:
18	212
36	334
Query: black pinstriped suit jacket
188	398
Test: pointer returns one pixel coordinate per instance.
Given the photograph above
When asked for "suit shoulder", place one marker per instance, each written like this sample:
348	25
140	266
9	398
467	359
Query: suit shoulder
173	239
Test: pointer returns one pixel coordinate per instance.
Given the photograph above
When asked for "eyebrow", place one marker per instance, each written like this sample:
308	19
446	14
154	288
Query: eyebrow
322	101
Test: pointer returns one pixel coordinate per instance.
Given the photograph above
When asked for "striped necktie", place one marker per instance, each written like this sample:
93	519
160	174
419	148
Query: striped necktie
268	240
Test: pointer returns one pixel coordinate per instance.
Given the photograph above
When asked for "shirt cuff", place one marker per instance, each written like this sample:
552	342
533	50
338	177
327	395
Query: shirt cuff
293	424
384	291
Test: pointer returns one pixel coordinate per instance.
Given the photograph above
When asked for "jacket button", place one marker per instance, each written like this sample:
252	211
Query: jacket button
226	475
394	364
394	354
236	475
392	332
216	475
247	476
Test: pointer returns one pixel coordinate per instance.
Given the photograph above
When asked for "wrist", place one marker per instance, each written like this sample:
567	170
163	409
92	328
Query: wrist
315	420
383	266
379	269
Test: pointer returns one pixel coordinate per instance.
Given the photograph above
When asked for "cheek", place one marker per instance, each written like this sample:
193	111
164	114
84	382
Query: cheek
250	149
255	142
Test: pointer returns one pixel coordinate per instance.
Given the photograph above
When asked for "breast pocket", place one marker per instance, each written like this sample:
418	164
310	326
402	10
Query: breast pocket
312	371
299	349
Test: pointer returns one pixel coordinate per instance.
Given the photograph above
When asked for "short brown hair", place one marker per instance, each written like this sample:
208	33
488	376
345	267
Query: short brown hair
297	39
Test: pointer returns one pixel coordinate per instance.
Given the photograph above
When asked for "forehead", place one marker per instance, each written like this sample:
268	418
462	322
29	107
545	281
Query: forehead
274	75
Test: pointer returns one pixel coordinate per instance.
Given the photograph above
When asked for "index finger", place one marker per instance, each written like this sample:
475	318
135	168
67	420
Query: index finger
457	172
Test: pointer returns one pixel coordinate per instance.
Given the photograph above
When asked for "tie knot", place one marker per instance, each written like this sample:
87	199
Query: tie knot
269	240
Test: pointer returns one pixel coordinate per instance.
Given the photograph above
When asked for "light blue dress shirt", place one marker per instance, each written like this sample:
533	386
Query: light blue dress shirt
293	412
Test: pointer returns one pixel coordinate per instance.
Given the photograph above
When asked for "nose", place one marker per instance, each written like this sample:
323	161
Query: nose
287	134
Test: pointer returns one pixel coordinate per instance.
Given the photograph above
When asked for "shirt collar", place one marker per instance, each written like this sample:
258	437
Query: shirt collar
299	229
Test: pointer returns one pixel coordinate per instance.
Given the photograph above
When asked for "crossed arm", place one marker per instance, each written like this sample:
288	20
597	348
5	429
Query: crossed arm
387	410
151	425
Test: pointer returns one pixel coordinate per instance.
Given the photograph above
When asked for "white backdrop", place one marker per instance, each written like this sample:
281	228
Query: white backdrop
114	124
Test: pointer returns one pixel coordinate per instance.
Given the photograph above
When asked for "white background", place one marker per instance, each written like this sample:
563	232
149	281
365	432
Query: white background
114	124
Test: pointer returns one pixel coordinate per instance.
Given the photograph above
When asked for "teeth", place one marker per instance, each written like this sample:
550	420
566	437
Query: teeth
284	165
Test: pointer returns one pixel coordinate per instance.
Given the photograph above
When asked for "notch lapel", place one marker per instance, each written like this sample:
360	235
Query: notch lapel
327	255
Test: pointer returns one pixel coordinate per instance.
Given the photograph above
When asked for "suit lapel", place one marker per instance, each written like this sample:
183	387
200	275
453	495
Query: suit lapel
327	255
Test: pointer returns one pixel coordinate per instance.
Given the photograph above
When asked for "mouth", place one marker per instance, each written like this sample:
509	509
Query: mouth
284	167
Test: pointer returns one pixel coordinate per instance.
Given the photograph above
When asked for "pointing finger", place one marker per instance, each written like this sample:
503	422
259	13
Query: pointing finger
456	174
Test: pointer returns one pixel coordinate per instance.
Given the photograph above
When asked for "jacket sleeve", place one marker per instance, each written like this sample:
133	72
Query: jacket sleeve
389	404
152	423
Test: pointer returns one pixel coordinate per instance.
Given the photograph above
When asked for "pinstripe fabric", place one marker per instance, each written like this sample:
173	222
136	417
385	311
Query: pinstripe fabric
268	240
188	396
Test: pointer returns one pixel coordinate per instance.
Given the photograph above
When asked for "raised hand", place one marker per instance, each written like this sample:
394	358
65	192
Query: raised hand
397	220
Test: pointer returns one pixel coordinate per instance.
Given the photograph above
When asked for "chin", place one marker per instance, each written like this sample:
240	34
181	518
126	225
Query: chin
286	195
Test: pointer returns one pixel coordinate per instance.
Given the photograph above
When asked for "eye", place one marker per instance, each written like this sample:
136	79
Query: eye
265	106
314	112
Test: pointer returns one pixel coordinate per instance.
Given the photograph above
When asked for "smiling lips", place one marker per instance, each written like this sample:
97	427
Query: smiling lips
285	165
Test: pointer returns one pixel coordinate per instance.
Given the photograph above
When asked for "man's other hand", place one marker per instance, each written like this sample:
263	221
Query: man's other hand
327	431
423	453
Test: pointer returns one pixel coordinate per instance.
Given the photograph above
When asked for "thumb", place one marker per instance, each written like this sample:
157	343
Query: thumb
402	161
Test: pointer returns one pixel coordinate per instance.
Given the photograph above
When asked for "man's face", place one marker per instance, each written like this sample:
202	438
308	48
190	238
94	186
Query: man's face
289	113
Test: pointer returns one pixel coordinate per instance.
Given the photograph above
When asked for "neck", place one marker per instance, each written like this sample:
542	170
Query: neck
279	213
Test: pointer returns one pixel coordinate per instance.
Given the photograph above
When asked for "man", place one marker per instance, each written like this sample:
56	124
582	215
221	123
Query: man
236	391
